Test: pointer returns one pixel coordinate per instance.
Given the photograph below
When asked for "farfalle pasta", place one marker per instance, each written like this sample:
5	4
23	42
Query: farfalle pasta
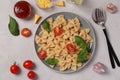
55	46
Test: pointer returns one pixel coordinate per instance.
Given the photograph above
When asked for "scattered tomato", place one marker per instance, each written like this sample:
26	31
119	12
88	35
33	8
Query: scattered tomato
14	69
28	64
42	54
31	74
58	31
26	32
70	47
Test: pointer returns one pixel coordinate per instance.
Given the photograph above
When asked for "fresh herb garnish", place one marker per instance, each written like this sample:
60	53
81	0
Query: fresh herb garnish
84	52
46	26
52	61
82	56
80	42
13	27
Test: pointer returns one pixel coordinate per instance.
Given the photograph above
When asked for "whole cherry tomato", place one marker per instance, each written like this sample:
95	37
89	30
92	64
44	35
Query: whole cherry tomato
70	47
26	32
14	69
31	74
58	31
28	64
42	54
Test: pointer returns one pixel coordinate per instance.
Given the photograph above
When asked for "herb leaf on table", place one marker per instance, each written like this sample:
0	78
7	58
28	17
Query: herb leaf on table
13	27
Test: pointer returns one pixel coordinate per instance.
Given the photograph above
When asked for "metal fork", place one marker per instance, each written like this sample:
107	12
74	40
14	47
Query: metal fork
99	18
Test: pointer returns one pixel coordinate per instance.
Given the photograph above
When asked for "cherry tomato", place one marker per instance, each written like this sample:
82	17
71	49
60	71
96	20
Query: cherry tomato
58	31
28	64
26	32
42	54
70	47
14	69
31	74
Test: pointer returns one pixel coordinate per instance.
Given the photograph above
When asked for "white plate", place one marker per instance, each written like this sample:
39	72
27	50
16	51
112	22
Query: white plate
85	24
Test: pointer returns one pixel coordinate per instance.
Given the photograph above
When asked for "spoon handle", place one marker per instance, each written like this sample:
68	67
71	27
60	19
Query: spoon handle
111	52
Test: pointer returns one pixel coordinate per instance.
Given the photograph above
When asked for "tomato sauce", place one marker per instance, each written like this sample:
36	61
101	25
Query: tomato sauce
22	9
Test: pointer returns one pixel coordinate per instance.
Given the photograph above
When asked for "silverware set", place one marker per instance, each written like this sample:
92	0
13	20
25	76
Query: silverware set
99	17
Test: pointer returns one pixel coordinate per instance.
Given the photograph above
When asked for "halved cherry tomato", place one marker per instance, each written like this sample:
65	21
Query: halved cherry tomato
28	64
26	32
14	69
42	54
58	31
70	47
31	74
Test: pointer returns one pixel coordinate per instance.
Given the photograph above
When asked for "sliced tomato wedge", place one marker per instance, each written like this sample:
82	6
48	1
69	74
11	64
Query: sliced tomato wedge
26	32
42	54
58	31
71	47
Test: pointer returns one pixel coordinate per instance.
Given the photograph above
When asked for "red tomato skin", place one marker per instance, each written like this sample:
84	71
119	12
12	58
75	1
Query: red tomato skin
58	31
31	74
28	64
70	47
26	32
14	69
42	54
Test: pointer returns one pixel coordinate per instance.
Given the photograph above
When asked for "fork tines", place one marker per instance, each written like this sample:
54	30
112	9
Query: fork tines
100	15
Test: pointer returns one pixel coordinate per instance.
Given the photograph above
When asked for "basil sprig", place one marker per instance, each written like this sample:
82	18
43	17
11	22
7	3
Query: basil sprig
46	26
52	61
13	27
84	52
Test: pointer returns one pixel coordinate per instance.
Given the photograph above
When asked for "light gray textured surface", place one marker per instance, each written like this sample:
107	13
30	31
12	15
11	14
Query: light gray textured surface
19	48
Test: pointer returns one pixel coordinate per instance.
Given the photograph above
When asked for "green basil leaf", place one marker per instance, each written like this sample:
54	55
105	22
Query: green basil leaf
80	42
52	61
84	52
46	26
82	55
13	27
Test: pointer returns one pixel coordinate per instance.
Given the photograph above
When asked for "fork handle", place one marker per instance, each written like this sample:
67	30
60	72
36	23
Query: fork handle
111	52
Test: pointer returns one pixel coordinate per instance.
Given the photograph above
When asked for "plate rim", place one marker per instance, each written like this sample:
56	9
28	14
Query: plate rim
93	36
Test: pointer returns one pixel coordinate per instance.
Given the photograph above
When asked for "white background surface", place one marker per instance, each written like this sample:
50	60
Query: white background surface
20	48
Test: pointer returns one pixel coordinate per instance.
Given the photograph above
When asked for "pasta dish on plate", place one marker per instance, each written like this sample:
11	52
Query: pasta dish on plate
63	43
